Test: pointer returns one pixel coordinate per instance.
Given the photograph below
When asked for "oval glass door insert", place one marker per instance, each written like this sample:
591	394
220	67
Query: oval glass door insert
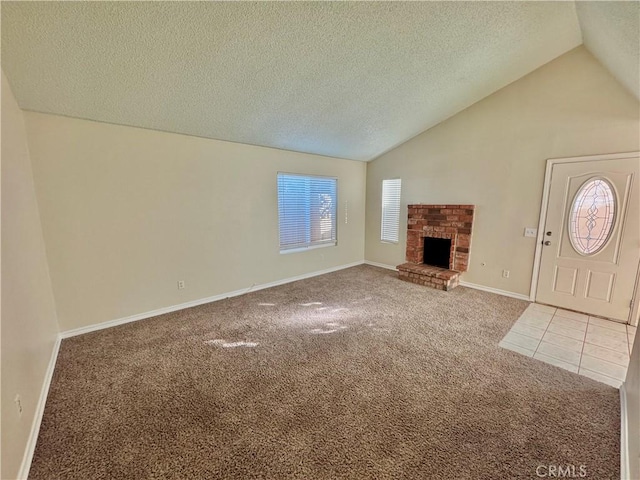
592	218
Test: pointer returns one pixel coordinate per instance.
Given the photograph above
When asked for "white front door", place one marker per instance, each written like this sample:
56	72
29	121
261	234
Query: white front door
591	239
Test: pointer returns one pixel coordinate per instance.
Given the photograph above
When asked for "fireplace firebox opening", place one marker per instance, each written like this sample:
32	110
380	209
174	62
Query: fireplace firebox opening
437	252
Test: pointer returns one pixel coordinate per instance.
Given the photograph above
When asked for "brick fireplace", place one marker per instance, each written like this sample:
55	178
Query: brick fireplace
451	222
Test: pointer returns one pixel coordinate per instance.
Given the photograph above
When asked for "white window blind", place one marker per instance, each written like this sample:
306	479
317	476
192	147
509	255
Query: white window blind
306	211
390	210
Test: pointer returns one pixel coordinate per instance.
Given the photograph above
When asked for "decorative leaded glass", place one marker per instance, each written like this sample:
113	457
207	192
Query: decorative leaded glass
592	216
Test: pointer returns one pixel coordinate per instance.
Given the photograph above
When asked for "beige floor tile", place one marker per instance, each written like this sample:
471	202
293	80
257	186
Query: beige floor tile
559	353
619	345
528	330
607	338
556	362
613	356
569	322
615	326
562	341
566	331
573	315
535	318
605	332
600	378
521	340
603	367
543	308
516	348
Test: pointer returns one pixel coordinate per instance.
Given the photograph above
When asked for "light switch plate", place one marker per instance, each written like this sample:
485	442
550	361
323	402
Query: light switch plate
531	232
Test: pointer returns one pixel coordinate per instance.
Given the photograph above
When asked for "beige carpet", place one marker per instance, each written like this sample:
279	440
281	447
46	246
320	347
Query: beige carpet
354	374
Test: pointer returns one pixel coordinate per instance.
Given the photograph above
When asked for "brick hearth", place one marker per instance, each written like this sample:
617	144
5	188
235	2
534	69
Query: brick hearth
454	222
429	276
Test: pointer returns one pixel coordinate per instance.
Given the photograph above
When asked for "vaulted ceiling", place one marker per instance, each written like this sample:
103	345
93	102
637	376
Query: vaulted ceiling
343	79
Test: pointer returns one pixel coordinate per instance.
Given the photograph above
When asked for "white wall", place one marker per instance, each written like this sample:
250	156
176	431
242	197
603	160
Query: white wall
632	391
29	327
127	212
493	155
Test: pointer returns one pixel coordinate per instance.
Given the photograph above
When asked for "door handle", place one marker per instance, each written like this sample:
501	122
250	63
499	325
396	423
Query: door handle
547	243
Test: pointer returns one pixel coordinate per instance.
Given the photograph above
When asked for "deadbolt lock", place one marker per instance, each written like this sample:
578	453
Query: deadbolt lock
548	234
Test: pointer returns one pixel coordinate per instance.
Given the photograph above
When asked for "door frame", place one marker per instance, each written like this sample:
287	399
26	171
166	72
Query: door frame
635	305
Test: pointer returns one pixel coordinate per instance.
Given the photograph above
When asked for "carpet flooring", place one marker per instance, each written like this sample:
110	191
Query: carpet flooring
349	375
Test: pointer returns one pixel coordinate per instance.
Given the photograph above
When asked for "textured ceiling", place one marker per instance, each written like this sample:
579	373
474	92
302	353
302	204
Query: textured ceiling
344	79
611	31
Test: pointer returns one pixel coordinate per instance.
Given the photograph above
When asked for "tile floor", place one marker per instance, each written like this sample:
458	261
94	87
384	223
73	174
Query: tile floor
590	346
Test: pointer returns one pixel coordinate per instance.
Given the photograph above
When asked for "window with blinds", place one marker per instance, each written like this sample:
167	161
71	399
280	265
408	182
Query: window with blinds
390	210
306	211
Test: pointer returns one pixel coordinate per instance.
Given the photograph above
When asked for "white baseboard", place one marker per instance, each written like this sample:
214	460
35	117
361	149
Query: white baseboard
497	291
201	301
624	436
37	418
381	265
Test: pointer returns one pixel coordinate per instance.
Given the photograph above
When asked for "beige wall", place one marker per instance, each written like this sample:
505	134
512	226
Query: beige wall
29	327
127	212
632	390
493	155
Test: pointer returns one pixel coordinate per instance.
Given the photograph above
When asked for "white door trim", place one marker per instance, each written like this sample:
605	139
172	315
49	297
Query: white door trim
543	218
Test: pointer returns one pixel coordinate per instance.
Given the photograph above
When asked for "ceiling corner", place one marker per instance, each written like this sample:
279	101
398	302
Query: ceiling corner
611	32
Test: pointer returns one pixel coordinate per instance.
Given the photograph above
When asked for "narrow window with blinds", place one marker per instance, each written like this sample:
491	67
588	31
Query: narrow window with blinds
390	210
306	211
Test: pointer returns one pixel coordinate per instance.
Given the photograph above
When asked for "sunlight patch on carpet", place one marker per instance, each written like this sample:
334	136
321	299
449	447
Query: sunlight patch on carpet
224	344
333	328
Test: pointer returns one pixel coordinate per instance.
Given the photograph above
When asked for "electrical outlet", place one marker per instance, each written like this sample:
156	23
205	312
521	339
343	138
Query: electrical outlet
180	284
505	273
531	232
18	402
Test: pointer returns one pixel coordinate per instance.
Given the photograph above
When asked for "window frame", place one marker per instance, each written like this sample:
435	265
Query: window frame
396	238
311	245
573	217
